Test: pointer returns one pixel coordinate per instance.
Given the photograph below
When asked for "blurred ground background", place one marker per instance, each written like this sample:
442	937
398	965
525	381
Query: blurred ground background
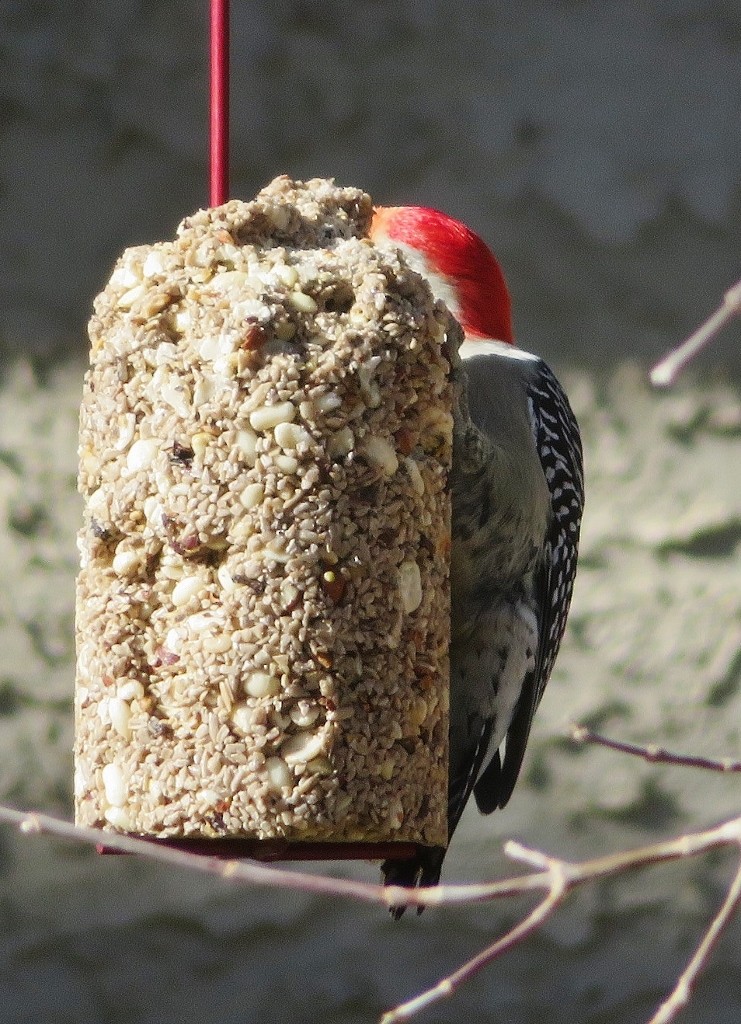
597	146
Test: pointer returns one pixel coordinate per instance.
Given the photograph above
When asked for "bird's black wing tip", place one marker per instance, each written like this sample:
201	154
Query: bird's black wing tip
487	792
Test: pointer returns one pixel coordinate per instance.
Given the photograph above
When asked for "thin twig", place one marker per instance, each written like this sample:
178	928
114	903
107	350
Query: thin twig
449	984
668	369
684	987
652	753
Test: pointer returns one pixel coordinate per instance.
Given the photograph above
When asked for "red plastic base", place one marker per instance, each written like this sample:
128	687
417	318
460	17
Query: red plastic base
279	849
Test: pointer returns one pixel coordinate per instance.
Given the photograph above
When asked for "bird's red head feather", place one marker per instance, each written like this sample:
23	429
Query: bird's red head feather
453	252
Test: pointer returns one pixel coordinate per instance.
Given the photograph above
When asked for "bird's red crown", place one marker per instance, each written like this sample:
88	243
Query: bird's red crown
454	252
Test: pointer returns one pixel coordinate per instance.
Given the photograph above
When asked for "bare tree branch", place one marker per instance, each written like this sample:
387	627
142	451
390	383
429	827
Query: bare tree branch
652	753
555	877
666	371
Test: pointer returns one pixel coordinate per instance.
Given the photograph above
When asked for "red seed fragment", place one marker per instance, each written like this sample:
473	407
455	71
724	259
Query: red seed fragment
405	439
252	338
333	585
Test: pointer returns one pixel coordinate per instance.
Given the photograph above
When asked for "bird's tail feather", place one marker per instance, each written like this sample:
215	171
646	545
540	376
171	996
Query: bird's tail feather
422	870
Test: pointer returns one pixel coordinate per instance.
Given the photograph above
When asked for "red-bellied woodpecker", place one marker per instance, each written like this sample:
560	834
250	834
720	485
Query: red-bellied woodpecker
518	493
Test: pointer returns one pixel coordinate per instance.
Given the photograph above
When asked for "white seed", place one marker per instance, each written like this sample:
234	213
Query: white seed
85	656
218	644
291	435
114	785
183	321
165	354
103	715
97	504
126	562
410	586
199	442
386	769
247	444
257	398
280	216
261	684
187	588
214	346
302	302
341	443
209	797
130	689
242	718
126	276
320	766
177	395
153	264
266	417
287	464
132	295
328	402
241	530
225	579
89	461
278	773
126	428
227	251
395	814
286	274
415	477
280	721
174	640
118	817
303	747
252	308
120	714
228	280
153	511
303	714
142	454
380	451
368	386
182	490
155	303
200	622
163	481
252	495
204	390
171	566
225	366
276	550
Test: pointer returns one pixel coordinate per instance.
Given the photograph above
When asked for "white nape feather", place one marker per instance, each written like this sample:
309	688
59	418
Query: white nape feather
471	349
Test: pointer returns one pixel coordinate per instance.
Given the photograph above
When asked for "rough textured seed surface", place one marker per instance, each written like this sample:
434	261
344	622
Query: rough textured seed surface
263	603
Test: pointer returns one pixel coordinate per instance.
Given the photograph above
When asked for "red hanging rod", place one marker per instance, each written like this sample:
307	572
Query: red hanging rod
219	102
